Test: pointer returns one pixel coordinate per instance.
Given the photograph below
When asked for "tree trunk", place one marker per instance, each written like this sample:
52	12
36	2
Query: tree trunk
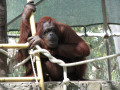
3	37
116	29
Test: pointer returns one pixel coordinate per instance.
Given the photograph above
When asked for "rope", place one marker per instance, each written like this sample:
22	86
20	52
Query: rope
22	62
53	60
66	80
6	53
62	63
35	75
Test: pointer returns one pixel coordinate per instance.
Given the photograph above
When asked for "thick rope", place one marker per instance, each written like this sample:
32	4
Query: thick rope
53	60
60	62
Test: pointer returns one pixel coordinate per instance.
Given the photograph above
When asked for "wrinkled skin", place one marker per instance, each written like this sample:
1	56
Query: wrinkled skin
59	39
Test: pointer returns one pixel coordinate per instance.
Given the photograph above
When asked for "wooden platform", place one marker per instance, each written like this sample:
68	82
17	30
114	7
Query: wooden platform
74	85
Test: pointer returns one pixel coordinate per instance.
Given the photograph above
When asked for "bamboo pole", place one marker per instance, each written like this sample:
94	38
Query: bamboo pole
18	79
37	56
14	45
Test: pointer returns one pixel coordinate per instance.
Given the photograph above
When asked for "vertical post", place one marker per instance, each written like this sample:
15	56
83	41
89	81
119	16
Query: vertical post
39	70
37	56
107	39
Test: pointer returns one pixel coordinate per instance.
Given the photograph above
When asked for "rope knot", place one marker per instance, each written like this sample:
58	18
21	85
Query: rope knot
106	36
66	81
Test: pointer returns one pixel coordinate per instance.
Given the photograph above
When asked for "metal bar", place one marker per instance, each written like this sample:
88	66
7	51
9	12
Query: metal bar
98	34
107	39
83	35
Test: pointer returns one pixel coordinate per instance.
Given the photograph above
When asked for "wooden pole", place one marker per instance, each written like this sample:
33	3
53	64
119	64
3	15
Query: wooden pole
37	56
107	39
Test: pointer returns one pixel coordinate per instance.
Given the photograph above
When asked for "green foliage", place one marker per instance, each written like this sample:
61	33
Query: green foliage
18	72
99	69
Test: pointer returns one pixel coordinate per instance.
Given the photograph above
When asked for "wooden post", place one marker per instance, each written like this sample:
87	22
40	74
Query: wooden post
37	56
107	39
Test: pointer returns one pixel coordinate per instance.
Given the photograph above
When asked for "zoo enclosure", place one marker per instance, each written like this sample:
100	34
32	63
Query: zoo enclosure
100	12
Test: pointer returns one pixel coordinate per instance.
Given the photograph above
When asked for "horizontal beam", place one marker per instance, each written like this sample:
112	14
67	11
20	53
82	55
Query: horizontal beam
83	35
18	79
14	45
98	34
